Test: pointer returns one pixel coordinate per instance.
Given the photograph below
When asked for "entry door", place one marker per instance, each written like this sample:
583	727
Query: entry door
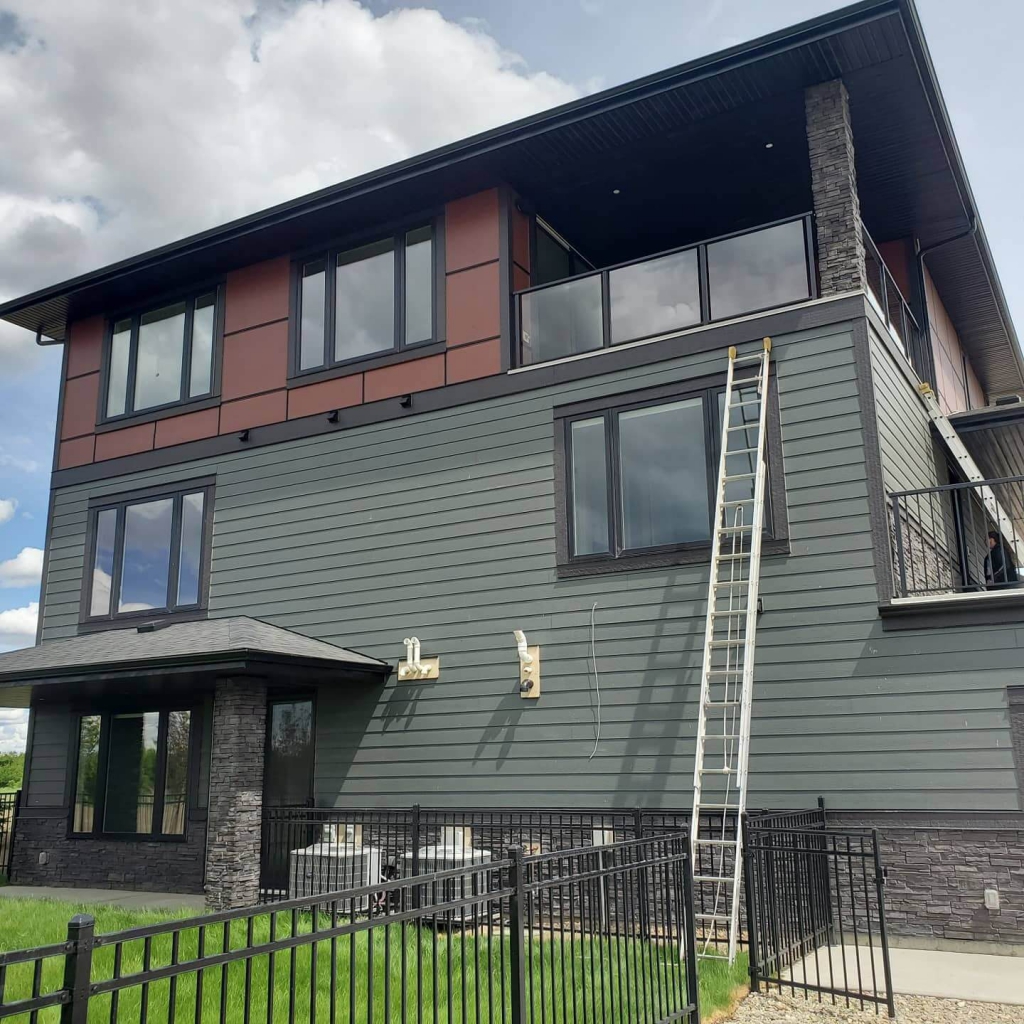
288	769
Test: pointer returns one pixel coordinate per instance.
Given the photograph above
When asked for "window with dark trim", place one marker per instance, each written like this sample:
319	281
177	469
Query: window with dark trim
148	554
641	475
359	303
163	356
132	776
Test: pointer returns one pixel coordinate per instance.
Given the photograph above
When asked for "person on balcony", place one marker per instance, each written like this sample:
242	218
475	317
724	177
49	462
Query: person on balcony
1000	568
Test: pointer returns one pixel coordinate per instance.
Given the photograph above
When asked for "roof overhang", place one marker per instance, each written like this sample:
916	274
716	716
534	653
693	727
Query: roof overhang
206	648
913	181
994	436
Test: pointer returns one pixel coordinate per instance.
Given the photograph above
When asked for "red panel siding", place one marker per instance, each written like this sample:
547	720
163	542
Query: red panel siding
472	361
126	441
404	378
471	230
192	426
257	295
75	453
474	305
81	395
253	412
255	361
325	396
85	346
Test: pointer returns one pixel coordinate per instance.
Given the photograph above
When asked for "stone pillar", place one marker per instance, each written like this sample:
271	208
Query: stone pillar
834	188
236	794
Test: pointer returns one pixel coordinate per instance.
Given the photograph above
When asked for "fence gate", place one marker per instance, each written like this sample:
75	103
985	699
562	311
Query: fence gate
9	803
816	915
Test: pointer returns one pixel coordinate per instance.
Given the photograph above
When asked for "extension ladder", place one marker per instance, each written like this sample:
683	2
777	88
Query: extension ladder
723	728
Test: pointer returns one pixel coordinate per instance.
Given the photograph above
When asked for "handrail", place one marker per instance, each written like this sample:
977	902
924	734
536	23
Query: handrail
969	485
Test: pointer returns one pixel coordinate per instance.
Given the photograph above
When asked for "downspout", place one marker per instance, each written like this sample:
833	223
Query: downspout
920	252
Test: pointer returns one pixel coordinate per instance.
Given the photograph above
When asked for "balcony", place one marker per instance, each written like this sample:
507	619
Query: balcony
960	539
890	304
715	280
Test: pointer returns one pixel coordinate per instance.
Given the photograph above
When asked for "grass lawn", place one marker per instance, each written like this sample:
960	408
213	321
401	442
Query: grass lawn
462	978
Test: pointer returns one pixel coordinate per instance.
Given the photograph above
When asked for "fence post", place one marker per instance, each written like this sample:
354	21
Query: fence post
748	895
900	555
517	949
78	969
690	933
642	878
883	937
824	813
414	838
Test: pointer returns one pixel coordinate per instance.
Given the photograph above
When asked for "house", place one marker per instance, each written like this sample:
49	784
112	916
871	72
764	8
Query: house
478	391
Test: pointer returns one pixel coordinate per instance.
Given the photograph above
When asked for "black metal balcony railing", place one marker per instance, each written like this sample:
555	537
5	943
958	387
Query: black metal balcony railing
960	538
718	279
890	303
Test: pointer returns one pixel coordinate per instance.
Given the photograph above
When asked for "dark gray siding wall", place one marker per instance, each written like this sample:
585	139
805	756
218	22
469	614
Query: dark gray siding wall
443	526
51	750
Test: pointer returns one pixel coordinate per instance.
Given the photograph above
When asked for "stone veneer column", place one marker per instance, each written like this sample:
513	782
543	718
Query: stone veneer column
236	794
834	187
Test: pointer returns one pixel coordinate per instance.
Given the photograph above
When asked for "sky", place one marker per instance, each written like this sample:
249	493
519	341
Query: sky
126	126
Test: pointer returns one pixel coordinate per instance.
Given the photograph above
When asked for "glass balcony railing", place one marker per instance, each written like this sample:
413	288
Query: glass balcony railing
719	279
889	302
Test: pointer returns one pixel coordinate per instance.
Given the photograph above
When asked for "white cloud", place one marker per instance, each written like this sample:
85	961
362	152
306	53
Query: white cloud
8	506
13	729
206	111
25	569
16	462
18	627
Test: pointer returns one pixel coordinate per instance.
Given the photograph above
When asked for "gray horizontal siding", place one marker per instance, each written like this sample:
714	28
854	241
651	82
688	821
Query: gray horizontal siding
443	525
51	746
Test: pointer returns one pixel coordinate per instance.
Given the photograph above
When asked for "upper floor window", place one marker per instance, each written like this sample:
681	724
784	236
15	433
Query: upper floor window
364	302
148	554
162	356
641	475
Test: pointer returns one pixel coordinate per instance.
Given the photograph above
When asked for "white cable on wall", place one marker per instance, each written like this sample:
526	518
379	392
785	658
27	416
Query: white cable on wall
597	682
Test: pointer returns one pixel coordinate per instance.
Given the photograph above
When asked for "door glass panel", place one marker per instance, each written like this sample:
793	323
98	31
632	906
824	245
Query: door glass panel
176	775
289	763
103	563
663	459
88	766
161	348
589	487
147	555
131	773
365	306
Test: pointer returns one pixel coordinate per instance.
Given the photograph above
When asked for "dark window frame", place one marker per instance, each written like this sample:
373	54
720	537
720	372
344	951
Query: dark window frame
300	696
184	401
400	350
105	712
619	559
170	613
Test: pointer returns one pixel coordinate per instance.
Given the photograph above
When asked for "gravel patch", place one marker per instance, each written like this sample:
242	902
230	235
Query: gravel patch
773	1009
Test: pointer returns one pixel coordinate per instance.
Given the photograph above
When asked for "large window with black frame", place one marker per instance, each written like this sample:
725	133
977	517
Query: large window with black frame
367	301
148	553
162	357
642	476
132	773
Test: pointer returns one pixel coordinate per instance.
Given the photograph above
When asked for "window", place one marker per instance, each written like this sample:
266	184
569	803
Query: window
641	477
148	555
162	357
132	774
365	302
288	778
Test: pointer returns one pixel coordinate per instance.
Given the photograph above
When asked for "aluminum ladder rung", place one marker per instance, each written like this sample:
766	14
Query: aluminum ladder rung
732	683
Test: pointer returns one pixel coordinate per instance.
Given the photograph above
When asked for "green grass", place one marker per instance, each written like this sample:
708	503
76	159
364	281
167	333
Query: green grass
468	977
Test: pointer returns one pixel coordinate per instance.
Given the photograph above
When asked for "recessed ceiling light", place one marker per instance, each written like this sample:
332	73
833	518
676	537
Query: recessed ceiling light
769	145
616	191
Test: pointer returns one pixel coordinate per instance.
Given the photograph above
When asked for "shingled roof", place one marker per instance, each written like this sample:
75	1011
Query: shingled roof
237	644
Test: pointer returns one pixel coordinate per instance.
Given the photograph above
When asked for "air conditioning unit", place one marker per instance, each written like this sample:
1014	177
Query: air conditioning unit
337	863
455	850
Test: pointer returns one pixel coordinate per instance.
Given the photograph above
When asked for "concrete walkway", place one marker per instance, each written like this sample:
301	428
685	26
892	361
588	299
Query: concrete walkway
111	897
976	977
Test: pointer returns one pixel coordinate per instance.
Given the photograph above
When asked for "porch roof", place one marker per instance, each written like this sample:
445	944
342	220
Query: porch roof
229	645
994	435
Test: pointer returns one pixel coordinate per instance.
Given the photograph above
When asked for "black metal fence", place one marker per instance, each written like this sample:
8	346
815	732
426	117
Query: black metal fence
9	804
568	937
958	538
816	911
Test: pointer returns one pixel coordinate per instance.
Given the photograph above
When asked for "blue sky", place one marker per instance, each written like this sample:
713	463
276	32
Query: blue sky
211	111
